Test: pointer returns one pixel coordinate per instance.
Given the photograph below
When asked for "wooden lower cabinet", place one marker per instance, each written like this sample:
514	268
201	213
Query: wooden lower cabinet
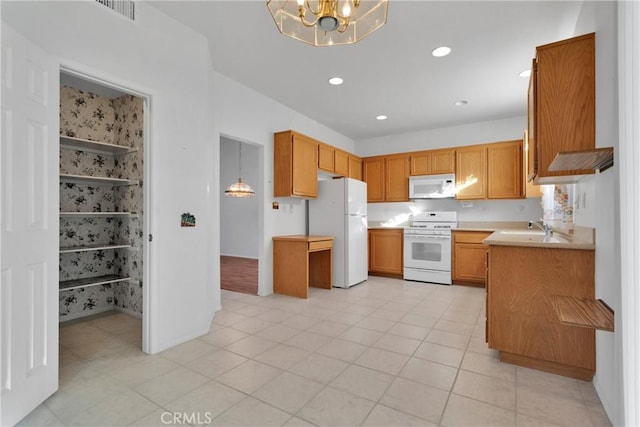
521	320
469	258
386	251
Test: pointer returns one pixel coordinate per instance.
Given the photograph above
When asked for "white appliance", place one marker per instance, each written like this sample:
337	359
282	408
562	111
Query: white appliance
432	186
341	211
427	247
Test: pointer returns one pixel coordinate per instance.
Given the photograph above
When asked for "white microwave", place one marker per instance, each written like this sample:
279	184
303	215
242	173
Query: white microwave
432	186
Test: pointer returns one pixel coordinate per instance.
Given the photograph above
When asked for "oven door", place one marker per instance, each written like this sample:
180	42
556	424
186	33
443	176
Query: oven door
428	252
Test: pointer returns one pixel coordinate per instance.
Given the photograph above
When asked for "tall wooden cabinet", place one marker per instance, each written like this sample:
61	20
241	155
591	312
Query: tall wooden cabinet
561	104
295	165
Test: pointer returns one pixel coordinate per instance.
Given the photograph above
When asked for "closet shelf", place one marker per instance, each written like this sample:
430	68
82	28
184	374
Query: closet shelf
68	285
98	180
98	214
88	248
94	146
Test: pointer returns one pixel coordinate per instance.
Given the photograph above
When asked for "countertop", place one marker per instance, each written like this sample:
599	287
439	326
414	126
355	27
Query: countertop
582	238
490	226
379	224
303	238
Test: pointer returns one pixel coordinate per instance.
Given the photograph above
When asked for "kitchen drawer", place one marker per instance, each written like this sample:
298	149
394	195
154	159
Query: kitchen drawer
320	245
470	236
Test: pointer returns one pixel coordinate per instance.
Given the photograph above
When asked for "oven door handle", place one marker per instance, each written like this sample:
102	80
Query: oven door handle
423	237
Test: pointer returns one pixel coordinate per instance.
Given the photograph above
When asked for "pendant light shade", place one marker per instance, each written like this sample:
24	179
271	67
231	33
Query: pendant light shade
239	189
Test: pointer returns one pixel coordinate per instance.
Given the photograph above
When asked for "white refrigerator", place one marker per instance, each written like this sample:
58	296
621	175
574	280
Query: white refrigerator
341	211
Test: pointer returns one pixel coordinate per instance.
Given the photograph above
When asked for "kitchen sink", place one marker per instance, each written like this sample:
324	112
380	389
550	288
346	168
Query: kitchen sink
524	232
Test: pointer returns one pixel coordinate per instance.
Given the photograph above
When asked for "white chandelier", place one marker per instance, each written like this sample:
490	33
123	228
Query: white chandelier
331	22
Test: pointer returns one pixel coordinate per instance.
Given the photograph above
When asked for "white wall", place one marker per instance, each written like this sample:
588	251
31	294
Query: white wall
602	203
246	115
238	216
455	136
480	210
159	57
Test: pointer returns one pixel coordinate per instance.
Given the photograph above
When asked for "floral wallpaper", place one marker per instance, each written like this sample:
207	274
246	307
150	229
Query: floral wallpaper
116	121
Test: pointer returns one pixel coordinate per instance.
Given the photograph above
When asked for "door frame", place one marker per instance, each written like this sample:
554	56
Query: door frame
260	195
116	83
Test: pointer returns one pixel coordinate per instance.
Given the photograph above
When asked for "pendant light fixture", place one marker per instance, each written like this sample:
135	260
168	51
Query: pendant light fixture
328	22
239	189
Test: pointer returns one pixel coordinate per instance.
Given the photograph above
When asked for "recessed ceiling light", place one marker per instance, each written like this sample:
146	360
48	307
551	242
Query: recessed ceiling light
381	117
525	73
461	102
336	81
441	51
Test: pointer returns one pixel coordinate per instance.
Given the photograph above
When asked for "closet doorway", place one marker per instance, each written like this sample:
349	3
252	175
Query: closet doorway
103	270
240	217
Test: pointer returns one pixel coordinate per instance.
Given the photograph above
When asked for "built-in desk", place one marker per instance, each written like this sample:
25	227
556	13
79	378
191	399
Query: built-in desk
301	261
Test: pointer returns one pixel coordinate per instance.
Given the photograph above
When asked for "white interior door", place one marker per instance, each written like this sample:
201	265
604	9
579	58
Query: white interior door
29	247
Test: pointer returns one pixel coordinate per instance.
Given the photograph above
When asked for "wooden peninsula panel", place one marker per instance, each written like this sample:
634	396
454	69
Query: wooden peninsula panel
522	322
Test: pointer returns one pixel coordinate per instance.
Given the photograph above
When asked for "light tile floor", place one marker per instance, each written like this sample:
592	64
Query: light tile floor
384	353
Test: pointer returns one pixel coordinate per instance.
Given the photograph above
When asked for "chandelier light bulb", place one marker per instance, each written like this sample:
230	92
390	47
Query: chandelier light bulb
346	9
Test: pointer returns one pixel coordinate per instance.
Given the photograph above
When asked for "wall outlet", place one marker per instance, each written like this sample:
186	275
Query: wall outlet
467	204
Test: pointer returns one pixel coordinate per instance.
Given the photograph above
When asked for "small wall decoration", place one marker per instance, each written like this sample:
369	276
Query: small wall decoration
187	220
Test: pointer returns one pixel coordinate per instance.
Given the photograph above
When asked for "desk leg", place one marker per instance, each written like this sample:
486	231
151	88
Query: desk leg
290	267
321	269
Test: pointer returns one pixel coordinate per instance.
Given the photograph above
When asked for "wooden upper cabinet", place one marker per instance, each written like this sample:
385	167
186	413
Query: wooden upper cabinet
373	175
341	162
355	167
396	178
420	163
443	161
432	162
530	190
562	103
326	160
471	172
295	165
530	135
504	170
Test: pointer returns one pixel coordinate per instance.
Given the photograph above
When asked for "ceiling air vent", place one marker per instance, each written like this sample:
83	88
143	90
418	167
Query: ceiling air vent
123	7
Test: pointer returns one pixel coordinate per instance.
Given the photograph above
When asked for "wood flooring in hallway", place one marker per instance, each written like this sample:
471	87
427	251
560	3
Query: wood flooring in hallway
239	274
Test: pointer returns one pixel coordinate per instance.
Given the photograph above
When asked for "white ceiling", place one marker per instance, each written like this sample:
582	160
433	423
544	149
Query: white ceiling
391	72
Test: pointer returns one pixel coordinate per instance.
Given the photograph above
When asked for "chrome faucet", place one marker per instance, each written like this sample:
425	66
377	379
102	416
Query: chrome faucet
547	228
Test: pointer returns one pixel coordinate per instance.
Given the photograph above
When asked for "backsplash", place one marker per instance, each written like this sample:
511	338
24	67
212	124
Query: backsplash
117	121
477	210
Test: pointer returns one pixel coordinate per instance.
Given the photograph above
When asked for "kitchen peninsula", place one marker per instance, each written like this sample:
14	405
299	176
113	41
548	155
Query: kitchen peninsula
527	271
